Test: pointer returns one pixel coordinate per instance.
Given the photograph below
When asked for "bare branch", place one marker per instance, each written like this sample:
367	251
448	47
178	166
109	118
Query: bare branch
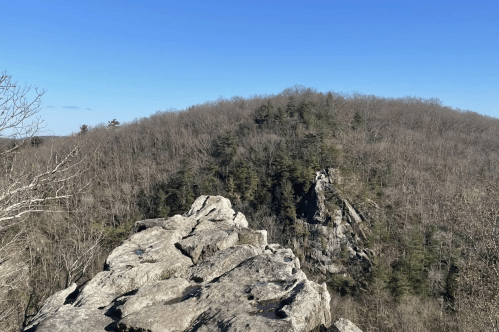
18	109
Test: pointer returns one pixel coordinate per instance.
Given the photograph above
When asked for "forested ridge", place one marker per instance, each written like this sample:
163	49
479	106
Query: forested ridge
432	171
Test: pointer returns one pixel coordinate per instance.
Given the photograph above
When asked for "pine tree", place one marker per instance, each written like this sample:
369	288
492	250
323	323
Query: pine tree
160	209
36	141
208	177
416	262
245	180
280	116
226	150
264	114
83	129
282	163
230	187
186	183
358	120
305	111
400	285
287	201
451	282
291	107
113	124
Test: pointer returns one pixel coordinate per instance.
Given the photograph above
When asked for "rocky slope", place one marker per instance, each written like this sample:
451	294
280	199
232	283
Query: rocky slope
333	231
203	271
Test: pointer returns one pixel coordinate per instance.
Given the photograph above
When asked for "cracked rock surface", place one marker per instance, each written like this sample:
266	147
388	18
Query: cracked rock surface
203	271
333	226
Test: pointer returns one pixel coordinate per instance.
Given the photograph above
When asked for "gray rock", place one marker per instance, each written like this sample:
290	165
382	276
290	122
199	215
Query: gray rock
52	305
336	229
209	237
203	271
220	263
216	208
145	257
344	325
69	318
183	225
266	292
161	291
205	241
159	317
249	236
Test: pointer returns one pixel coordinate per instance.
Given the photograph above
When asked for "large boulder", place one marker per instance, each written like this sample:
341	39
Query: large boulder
203	271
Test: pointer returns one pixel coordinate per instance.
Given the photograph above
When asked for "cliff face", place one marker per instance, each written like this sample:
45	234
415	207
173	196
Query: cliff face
333	231
203	271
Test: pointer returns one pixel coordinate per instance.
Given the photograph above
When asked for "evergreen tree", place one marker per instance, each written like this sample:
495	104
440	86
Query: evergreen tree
287	201
113	124
282	163
451	282
264	114
225	150
400	285
83	129
306	112
291	107
281	115
416	262
186	184
230	186
358	120
36	141
160	209
208	177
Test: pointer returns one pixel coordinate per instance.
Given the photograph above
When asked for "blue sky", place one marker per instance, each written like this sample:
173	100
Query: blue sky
100	60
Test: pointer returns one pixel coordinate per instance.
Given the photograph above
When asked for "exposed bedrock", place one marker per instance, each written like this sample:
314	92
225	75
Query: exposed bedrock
203	271
334	231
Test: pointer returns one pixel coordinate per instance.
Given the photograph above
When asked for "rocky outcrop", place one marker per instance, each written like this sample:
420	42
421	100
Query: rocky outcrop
344	325
333	232
203	271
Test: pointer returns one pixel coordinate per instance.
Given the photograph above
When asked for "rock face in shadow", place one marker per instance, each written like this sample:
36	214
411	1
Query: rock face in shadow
334	230
203	271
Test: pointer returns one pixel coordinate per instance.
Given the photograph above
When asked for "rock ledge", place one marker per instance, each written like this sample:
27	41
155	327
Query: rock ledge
203	271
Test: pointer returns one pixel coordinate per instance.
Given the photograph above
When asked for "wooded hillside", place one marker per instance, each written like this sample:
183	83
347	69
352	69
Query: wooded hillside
432	170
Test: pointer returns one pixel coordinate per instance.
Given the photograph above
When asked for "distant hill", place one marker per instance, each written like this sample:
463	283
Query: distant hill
431	170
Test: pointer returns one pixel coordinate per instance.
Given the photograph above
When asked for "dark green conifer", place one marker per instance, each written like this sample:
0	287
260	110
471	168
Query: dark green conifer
287	200
400	285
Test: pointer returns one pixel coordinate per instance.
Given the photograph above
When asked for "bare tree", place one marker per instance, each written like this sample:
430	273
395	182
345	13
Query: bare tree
19	106
28	184
24	191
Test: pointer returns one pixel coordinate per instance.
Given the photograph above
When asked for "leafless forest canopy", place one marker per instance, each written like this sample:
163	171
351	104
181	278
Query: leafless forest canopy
432	170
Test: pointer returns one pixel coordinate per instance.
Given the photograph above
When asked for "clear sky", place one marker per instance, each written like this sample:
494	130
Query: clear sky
100	60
